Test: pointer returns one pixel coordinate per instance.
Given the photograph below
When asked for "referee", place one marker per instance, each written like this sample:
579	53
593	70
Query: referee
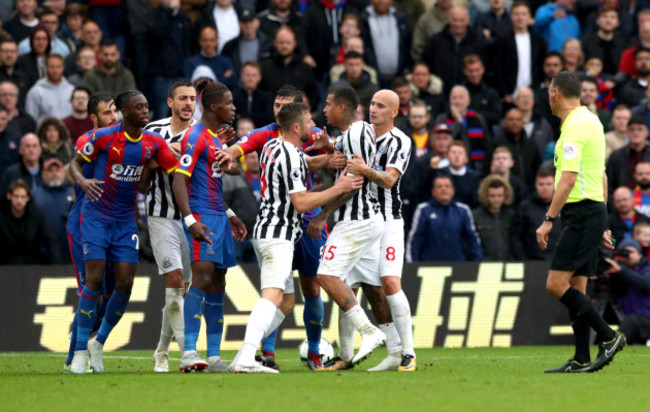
580	194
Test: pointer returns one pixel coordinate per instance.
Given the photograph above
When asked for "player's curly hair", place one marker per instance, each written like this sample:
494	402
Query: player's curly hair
213	92
122	99
200	83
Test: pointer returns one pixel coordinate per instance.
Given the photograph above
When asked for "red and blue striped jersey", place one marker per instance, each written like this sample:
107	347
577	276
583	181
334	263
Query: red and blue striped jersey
88	170
256	139
641	201
120	160
198	161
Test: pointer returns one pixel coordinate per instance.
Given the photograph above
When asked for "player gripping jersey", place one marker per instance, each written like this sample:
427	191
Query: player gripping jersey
308	250
391	160
278	227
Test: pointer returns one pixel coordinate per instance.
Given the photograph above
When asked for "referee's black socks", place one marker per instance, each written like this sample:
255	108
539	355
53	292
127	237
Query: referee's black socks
578	303
581	334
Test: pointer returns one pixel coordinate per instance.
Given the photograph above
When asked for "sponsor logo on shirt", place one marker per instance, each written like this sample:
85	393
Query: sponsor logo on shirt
129	173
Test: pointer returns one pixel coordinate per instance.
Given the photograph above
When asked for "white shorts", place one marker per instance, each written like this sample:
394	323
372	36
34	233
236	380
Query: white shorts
275	257
391	261
352	251
170	246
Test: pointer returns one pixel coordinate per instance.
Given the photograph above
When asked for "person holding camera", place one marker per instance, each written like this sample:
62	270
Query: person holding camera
630	282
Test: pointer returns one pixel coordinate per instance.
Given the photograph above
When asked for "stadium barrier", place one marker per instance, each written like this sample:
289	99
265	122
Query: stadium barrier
453	305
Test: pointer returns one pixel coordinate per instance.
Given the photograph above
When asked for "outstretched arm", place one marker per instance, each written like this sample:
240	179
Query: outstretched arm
318	223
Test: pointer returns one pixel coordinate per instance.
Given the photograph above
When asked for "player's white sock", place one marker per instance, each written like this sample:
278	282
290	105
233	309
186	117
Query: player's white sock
346	337
166	333
359	319
174	308
401	311
259	321
275	323
393	344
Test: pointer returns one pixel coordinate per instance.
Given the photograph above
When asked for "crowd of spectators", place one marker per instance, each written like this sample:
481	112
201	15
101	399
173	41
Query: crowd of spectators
472	78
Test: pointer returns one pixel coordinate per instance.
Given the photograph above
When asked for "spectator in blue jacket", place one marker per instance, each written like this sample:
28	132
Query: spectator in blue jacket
630	282
556	24
54	198
443	230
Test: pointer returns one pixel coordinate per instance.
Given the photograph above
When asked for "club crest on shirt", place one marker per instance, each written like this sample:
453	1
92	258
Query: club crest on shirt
148	152
295	174
186	160
167	262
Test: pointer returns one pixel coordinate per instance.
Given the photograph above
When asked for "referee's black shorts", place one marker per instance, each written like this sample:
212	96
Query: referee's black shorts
583	224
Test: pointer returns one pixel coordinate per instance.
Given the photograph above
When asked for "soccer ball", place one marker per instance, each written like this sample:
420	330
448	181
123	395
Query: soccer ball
326	350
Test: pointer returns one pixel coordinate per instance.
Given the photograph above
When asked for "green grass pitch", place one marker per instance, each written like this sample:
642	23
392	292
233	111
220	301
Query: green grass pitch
485	379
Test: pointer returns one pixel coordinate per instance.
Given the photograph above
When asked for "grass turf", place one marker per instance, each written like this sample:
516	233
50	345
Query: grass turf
485	379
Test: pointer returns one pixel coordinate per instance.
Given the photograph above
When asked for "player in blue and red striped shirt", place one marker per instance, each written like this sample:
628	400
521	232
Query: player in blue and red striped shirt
109	228
308	250
197	189
103	113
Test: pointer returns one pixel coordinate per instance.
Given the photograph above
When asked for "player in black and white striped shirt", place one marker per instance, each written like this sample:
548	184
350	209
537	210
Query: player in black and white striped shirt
279	225
168	239
351	255
393	153
277	218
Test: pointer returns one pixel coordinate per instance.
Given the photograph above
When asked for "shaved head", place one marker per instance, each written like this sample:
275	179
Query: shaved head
389	97
383	109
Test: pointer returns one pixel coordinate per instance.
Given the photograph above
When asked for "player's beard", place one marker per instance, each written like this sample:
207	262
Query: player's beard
644	185
179	114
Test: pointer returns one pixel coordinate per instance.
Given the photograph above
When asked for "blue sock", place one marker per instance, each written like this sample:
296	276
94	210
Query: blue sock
86	319
73	340
313	318
192	315
268	344
213	312
101	311
114	311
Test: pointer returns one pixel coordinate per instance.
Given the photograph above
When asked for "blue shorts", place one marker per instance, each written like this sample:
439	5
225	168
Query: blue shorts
306	255
222	249
110	240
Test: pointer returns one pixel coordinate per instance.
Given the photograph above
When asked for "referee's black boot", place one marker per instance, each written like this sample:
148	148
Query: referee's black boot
571	366
606	352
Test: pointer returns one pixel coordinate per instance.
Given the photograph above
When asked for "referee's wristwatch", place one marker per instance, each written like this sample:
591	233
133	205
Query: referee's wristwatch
547	218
